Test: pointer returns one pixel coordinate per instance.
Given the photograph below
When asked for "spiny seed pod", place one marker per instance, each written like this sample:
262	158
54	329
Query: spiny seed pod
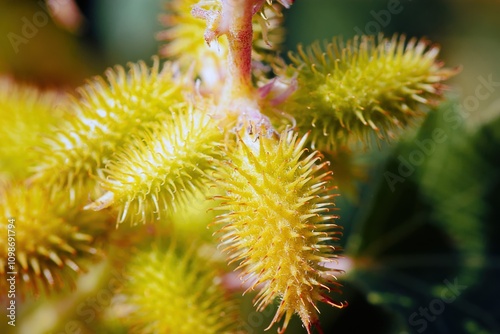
162	167
277	223
105	116
173	294
348	92
52	239
26	114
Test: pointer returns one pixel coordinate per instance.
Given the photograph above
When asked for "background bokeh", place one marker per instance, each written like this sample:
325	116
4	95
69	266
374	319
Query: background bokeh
435	231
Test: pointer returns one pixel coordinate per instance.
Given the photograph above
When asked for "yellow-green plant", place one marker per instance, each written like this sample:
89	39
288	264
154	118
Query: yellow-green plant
54	239
177	294
145	142
26	114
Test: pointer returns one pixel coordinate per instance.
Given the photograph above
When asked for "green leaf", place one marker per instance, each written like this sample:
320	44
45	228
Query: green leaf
428	238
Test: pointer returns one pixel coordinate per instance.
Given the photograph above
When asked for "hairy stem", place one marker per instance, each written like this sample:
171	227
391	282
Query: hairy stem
237	16
238	103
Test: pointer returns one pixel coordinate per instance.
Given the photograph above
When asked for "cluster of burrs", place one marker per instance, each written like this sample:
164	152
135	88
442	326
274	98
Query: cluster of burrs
225	118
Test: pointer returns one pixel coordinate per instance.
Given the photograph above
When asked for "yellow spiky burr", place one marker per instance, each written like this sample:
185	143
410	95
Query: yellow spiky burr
278	223
53	240
27	114
163	167
101	119
181	294
366	88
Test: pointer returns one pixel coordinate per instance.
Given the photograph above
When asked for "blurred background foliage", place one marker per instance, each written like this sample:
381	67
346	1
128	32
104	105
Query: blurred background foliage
406	239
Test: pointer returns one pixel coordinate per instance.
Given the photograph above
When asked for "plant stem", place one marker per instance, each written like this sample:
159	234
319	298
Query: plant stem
239	103
237	16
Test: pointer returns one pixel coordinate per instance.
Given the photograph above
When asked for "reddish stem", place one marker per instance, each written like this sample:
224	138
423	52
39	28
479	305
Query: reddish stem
237	17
